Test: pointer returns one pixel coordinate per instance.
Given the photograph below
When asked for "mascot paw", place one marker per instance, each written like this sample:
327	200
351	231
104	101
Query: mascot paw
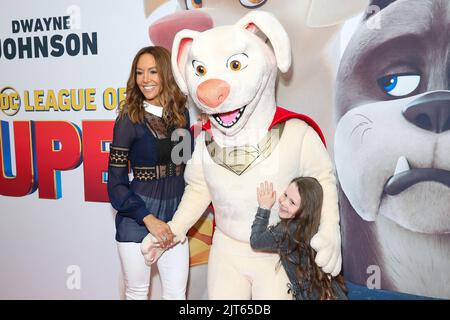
150	250
327	244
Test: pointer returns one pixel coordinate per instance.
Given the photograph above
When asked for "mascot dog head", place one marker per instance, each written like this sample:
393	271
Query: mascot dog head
230	72
313	27
392	147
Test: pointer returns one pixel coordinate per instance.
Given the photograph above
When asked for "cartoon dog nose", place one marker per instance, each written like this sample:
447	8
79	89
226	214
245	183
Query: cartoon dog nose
213	92
430	112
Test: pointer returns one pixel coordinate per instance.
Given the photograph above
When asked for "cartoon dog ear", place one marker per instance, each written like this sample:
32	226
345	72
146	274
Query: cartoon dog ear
274	31
180	49
325	13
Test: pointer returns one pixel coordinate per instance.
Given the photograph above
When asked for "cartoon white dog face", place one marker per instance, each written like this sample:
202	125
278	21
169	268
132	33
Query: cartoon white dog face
228	69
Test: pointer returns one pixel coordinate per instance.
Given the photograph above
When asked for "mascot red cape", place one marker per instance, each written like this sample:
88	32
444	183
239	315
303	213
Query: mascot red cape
230	74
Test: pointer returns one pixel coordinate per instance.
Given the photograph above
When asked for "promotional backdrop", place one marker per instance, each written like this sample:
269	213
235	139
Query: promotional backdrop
383	106
64	66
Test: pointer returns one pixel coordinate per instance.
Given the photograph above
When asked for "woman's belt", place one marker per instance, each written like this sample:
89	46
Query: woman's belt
157	172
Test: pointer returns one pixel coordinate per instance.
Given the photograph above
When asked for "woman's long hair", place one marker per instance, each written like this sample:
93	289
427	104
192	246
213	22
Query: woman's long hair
307	221
171	98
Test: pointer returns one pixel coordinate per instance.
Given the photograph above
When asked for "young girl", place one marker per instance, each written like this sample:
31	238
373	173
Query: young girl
300	207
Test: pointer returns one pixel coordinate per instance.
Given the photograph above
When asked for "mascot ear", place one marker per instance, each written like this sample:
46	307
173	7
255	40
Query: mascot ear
325	13
180	49
274	31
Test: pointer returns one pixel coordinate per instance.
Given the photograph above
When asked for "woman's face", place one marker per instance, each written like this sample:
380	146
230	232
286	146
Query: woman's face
289	202
147	78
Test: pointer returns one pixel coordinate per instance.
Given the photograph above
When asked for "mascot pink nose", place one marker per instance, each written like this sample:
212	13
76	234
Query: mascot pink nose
213	92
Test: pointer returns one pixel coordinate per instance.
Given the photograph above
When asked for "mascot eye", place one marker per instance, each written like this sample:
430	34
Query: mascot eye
200	69
193	4
251	4
399	85
235	65
237	62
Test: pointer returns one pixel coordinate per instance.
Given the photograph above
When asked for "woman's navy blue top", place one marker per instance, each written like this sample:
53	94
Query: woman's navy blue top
145	144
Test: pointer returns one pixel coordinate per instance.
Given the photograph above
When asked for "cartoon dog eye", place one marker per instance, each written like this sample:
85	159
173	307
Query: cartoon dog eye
251	4
237	62
193	4
200	69
399	85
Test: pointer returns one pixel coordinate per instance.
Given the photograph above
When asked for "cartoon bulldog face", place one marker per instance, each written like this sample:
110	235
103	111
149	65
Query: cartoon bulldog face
392	143
229	71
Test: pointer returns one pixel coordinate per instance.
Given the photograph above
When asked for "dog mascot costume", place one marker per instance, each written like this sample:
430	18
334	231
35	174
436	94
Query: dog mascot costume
230	73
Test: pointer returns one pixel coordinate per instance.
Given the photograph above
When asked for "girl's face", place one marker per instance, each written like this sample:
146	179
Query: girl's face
147	78
289	202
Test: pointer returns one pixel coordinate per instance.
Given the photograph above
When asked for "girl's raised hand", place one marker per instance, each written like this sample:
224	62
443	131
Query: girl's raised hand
266	195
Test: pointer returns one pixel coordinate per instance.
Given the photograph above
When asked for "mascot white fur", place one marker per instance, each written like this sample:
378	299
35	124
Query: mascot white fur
230	73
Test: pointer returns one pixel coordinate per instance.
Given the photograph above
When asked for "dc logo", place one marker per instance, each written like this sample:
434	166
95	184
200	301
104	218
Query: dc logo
9	101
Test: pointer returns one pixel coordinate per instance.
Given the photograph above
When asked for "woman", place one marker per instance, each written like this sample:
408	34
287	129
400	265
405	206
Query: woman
152	111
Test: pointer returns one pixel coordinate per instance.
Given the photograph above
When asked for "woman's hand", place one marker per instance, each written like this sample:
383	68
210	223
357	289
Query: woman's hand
160	230
266	195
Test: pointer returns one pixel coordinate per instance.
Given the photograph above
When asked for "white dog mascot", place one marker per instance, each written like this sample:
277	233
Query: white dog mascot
230	73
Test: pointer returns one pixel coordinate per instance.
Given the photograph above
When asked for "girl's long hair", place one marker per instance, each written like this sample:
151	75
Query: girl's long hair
171	98
307	221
